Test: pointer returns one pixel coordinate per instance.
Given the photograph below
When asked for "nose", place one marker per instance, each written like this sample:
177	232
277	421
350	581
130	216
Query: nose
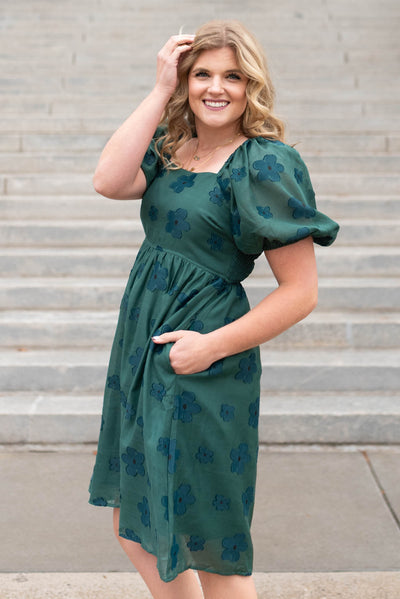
215	85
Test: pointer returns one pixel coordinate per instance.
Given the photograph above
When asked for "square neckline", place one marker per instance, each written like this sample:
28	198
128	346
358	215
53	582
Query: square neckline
230	157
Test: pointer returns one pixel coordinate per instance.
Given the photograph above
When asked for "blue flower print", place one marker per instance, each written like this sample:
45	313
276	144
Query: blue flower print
216	196
224	184
298	175
153	213
238	173
215	242
247	367
185	407
134	461
264	211
183	182
157	348
220	285
227	412
196	325
114	464
113	382
140	422
149	158
134	360
301	233
247	500
239	458
205	456
130	412
163	445
182	498
269	168
235	223
177	224
299	210
100	501
233	546
216	367
196	543
173	456
123	399
164	503
221	503
144	509
168	448
129	534
134	314
254	411
240	292
158	391
174	554
157	280
183	299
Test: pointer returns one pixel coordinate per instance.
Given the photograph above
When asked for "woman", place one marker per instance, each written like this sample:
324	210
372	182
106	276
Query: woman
178	445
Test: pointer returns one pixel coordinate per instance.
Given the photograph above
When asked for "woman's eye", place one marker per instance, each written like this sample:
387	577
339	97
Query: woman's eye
201	74
234	76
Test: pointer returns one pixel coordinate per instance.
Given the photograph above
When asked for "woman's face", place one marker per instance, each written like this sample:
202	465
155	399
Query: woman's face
217	90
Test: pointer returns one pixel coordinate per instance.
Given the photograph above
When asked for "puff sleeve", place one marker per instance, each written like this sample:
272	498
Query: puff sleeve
272	199
151	163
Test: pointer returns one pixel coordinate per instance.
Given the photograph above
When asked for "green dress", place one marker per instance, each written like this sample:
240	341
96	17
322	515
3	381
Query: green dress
178	453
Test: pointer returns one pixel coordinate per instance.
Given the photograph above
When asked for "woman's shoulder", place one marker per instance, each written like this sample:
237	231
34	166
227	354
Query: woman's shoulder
263	158
258	147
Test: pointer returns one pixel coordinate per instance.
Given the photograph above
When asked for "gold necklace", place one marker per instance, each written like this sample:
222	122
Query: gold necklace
210	154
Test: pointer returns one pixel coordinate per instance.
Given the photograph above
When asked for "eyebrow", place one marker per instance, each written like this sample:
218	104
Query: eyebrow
203	69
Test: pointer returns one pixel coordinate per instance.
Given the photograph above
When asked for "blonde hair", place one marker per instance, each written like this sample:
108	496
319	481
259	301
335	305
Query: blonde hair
258	118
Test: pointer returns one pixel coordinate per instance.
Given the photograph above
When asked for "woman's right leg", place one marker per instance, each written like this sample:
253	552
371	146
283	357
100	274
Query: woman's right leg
185	585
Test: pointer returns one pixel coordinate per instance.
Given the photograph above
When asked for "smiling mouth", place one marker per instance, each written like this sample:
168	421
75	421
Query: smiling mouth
216	103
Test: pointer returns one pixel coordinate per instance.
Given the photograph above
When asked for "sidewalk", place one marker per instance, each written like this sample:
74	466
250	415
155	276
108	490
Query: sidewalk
326	525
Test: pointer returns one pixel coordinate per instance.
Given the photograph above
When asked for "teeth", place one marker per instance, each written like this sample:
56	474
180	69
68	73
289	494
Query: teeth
215	104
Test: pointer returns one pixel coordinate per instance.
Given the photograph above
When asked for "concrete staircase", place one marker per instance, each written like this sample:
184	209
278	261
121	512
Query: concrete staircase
70	75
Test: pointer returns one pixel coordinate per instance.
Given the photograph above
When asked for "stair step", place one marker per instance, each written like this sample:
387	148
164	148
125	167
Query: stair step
81	183
95	329
117	262
84	233
101	293
95	207
85	162
71	233
330	418
337	370
84	371
45	123
324	417
340	293
308	144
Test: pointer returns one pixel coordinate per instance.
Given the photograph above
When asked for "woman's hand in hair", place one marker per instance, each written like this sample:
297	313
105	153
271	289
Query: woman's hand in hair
168	60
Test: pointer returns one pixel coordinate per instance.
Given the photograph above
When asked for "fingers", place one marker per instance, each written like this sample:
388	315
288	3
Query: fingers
179	43
168	337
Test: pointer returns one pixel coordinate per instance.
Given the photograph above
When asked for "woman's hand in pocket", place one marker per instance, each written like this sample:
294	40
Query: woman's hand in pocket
190	352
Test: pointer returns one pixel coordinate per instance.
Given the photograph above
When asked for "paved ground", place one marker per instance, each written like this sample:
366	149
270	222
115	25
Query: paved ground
317	510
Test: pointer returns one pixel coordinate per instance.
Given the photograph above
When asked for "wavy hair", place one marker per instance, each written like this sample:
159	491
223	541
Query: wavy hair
258	118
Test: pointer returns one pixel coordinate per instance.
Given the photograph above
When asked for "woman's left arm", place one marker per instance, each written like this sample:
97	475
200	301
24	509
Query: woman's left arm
295	270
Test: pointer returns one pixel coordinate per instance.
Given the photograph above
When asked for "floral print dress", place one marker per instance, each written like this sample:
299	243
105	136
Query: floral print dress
178	453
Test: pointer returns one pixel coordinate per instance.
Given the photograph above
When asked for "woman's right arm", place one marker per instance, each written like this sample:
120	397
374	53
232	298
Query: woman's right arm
118	174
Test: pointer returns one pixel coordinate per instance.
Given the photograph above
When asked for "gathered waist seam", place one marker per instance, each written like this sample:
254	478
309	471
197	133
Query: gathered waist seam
159	248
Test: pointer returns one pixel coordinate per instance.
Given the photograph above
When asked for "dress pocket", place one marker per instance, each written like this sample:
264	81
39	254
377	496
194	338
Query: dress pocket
167	375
